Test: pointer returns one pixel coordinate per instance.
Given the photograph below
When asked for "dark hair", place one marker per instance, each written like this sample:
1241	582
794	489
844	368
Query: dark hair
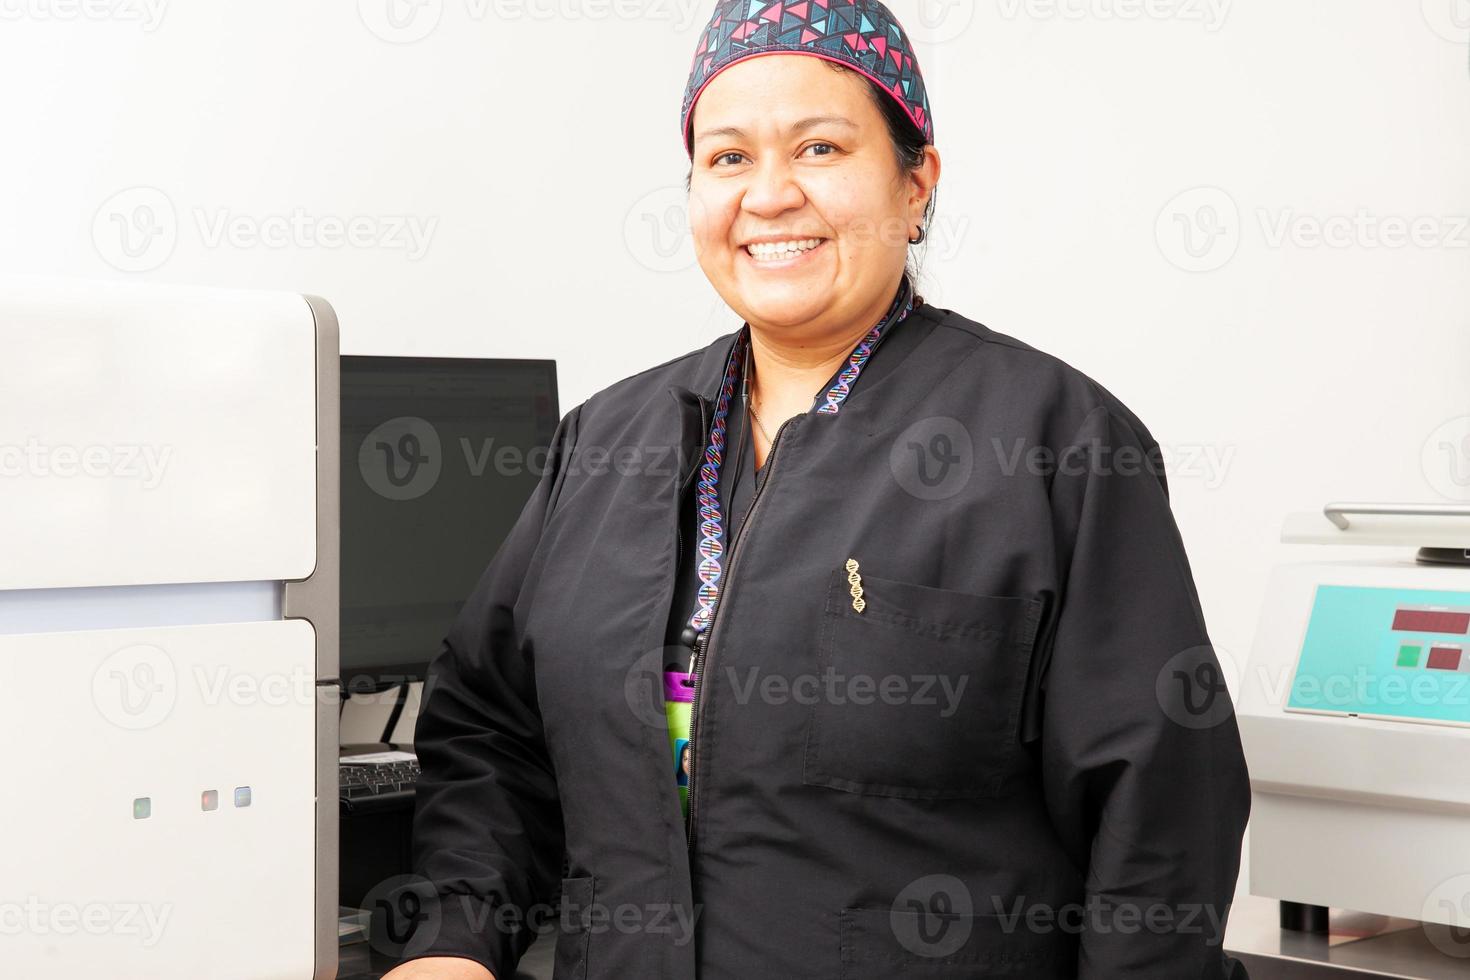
907	138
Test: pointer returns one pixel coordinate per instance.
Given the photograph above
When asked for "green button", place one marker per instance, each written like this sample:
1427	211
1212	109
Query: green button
1409	656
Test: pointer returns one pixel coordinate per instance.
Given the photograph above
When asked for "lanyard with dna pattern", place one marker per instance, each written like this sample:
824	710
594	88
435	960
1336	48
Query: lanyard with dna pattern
711	550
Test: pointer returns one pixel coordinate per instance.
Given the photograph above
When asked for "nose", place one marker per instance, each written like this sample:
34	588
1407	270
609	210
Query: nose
773	189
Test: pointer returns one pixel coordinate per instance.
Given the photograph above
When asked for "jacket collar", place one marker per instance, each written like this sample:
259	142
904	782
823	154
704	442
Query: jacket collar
709	370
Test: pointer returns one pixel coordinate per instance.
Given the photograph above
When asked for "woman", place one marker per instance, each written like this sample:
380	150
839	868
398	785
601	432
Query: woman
954	709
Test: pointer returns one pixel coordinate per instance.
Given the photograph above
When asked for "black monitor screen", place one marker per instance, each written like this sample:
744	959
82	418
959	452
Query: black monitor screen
439	456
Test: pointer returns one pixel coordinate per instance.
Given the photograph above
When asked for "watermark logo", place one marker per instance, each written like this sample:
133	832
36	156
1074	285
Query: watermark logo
1450	19
941	692
656	230
407	21
1359	689
147	14
626	918
1207	463
1210	14
144	463
932	22
1193	690
1199	230
643	684
400	21
933	458
136	229
34	917
1101	916
136	687
401	459
933	916
406	915
406	233
1450	899
1445	459
1362	229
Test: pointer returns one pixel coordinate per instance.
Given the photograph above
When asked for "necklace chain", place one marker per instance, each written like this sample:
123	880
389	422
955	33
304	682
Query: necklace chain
756	415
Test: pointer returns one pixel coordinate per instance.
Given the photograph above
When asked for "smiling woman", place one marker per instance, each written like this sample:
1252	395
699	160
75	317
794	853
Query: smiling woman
802	204
911	149
808	186
882	703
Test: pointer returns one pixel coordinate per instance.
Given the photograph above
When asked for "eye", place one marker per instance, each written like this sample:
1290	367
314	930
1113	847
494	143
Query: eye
814	146
724	156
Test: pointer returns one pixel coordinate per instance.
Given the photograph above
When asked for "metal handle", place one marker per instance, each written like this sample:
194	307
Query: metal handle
1337	513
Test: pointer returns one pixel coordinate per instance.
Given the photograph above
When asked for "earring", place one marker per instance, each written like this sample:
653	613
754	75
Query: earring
922	233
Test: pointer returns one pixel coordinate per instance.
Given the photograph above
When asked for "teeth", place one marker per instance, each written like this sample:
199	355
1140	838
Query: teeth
778	250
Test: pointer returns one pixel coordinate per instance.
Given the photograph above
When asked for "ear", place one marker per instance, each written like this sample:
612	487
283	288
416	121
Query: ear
922	182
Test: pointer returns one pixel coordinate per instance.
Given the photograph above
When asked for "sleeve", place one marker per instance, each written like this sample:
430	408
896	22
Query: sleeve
1142	766
487	833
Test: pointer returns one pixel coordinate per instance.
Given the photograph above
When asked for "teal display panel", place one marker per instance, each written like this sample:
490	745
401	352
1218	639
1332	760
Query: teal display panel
1390	653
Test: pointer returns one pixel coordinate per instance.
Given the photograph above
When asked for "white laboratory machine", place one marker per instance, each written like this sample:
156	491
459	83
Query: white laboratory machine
1354	710
168	632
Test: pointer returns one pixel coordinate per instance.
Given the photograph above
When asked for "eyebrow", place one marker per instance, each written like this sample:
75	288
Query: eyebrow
797	127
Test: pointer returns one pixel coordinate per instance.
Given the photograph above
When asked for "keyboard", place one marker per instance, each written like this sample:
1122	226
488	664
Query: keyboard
380	781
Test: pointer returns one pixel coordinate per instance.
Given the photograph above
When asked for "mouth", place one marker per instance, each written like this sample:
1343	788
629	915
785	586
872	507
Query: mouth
785	254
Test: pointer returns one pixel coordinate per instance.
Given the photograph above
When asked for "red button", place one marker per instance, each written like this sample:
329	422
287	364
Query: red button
1444	658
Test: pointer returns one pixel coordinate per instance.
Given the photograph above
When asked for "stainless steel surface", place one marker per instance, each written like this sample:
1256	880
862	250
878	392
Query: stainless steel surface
316	599
1358	945
1337	513
328	833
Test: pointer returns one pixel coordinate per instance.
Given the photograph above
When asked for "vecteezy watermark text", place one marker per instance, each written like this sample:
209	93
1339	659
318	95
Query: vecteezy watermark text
834	687
122	461
37	918
147	14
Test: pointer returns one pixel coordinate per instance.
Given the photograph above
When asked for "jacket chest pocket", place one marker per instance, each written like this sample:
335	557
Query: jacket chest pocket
921	689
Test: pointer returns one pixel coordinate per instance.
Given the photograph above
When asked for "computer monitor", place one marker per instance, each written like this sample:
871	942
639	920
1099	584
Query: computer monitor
439	456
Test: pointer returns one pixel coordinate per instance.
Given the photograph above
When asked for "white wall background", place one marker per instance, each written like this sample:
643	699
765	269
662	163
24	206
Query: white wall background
1247	219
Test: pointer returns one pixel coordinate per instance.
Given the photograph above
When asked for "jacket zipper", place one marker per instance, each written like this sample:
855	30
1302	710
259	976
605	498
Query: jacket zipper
706	638
679	497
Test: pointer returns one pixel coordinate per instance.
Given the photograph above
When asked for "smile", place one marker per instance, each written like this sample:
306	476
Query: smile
783	253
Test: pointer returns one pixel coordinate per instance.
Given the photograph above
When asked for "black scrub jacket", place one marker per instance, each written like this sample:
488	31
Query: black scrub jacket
1017	760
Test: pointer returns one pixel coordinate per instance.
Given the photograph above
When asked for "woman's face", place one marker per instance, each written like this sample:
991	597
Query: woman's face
787	149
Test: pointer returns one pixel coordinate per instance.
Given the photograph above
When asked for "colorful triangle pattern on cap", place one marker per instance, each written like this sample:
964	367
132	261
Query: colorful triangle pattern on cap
863	34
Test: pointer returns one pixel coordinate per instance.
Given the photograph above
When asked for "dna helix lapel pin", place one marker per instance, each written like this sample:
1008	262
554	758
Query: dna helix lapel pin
855	585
